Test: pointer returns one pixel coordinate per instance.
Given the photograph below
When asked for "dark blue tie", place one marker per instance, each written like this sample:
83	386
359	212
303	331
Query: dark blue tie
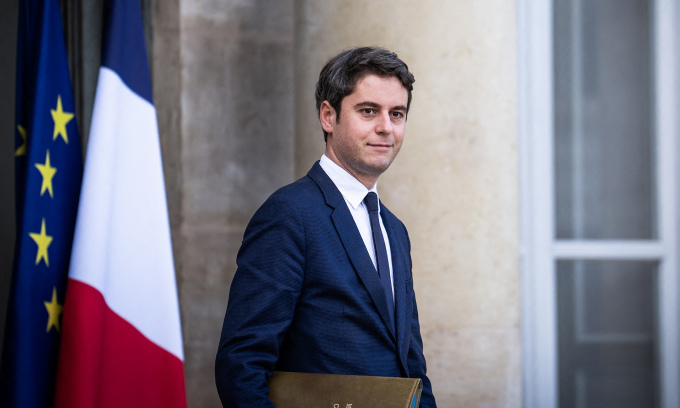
371	202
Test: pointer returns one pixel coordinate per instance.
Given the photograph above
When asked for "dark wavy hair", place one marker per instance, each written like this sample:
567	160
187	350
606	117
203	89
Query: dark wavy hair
341	73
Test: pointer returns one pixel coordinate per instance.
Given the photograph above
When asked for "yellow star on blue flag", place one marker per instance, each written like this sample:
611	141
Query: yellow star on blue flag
61	119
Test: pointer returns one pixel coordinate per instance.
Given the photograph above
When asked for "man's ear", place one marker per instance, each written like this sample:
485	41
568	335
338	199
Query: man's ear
327	116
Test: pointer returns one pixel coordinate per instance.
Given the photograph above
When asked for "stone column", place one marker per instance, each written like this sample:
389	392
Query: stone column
455	182
229	113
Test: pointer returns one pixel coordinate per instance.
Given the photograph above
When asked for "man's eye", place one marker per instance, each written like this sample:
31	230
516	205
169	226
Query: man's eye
397	115
367	111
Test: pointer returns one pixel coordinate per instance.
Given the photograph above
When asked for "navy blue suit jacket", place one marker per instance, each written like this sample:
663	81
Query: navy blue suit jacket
307	298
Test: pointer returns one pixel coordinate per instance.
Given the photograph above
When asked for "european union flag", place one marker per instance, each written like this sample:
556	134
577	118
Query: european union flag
48	175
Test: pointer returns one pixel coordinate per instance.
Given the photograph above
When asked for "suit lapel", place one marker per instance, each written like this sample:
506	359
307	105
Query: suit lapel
353	243
398	276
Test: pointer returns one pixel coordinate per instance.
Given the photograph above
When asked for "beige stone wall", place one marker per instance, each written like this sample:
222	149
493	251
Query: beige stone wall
234	80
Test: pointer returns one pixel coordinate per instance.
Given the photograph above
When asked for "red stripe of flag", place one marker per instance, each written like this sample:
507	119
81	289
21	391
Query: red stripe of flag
106	362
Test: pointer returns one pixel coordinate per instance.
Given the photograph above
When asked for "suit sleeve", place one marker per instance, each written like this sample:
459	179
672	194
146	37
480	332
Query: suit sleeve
416	358
262	301
416	362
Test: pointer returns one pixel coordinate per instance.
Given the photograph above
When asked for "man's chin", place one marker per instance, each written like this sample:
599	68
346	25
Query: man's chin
376	168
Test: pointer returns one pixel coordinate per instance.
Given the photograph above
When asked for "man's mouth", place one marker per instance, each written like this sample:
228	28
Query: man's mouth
380	145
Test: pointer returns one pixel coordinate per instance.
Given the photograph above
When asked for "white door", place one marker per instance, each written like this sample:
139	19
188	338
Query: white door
598	96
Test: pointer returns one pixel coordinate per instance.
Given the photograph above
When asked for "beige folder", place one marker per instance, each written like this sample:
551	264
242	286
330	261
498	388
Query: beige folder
303	390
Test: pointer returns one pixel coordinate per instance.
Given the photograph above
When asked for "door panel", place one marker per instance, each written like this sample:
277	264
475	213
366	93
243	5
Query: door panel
607	333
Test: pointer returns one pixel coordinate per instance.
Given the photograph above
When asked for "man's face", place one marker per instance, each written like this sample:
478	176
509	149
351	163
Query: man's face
370	131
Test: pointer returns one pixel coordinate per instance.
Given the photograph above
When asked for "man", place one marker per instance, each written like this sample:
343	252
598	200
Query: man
324	282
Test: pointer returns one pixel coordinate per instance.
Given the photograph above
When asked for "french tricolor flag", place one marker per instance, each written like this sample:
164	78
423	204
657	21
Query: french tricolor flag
121	340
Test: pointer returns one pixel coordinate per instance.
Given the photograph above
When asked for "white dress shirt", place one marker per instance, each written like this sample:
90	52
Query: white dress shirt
354	193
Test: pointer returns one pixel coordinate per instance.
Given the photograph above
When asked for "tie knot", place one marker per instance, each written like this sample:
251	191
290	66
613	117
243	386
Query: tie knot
371	201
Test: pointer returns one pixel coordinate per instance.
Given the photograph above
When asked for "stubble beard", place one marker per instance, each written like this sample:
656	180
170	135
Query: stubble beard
371	166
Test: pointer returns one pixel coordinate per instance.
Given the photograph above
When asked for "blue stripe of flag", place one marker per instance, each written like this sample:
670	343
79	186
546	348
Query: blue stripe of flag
124	50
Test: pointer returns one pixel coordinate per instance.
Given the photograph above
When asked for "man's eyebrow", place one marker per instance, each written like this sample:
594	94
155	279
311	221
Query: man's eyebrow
369	104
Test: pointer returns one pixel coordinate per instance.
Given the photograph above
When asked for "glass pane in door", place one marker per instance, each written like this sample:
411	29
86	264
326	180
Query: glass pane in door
604	144
607	334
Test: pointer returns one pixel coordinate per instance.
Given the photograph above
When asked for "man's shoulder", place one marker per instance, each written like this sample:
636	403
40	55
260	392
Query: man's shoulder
300	190
395	223
313	188
390	215
300	196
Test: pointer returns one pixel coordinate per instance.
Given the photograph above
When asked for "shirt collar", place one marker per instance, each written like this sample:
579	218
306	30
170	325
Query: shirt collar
351	189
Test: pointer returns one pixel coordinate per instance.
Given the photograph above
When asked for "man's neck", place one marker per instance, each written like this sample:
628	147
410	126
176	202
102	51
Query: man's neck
367	180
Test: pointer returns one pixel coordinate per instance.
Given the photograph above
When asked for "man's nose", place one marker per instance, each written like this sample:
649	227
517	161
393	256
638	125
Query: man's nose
384	125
